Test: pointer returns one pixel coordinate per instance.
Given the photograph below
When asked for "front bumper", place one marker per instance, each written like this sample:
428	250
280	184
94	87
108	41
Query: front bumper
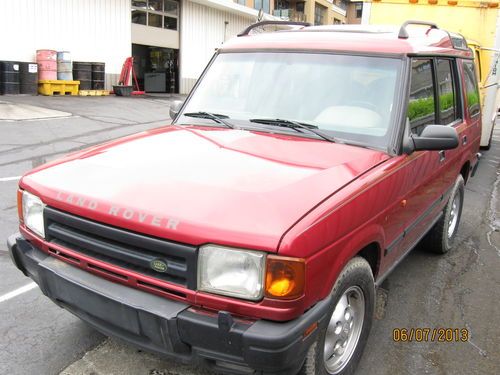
218	340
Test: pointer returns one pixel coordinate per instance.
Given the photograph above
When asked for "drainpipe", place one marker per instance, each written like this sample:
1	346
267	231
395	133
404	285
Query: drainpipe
225	30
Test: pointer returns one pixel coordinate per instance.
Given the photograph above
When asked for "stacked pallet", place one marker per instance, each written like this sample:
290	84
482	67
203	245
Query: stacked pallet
57	87
93	92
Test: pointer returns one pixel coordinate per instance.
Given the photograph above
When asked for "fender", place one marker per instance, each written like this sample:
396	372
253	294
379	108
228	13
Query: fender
346	249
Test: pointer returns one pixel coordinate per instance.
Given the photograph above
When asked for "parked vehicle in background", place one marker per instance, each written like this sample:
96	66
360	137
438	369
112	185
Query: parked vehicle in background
478	22
250	234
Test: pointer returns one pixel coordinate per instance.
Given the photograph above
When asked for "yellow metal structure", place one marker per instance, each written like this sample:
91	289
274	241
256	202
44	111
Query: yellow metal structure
58	87
477	21
93	92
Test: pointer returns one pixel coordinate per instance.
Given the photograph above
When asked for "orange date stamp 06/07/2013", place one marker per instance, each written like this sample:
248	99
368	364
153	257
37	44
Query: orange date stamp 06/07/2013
426	334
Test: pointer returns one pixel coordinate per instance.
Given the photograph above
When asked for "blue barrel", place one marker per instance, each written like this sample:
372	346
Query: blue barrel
64	66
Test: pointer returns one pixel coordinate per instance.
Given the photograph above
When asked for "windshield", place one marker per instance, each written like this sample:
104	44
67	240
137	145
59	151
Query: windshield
351	98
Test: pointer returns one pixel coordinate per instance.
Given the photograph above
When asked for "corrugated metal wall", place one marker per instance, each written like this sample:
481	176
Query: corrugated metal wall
92	30
202	31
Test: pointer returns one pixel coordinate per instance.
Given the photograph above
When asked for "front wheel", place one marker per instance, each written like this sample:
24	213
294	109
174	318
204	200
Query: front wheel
341	342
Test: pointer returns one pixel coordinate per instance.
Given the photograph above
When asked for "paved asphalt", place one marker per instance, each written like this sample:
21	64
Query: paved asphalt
458	290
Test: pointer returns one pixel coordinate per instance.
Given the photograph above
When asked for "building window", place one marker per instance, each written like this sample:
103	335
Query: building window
262	4
341	4
156	13
242	2
156	5
139	17
140	4
154	20
336	21
359	9
171	8
319	14
170	23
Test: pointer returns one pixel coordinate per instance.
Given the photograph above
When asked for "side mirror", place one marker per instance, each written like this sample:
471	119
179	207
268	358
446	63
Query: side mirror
175	107
436	137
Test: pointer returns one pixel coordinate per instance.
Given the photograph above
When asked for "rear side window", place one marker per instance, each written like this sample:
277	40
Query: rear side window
421	107
448	108
471	89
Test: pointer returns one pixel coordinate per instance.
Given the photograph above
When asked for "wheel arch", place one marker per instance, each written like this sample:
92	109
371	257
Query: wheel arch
465	171
372	254
368	246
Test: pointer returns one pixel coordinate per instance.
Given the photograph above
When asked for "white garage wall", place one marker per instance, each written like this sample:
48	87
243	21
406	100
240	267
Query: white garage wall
202	31
92	30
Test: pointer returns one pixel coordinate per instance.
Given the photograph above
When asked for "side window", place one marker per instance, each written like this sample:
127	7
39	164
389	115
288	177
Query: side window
448	108
471	89
421	107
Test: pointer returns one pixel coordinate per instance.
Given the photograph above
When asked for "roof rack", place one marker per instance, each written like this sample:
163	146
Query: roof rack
458	41
265	23
403	33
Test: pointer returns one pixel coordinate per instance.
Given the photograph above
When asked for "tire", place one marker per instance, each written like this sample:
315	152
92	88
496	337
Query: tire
440	238
356	281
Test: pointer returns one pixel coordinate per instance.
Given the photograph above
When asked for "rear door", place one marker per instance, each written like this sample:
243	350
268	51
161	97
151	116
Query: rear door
451	113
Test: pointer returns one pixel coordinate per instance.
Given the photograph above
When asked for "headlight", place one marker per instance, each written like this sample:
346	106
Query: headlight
33	213
231	272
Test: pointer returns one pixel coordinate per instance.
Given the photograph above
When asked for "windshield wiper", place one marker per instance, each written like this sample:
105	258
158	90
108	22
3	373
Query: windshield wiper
218	118
296	125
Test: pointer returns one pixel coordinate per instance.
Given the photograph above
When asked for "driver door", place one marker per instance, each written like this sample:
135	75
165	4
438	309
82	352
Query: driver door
427	174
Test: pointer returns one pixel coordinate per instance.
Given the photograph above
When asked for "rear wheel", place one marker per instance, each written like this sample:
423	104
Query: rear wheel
341	342
441	237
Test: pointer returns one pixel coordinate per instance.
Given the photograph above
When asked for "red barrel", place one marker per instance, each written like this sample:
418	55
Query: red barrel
47	64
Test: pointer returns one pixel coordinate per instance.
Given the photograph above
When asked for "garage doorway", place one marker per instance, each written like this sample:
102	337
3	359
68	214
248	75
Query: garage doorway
157	68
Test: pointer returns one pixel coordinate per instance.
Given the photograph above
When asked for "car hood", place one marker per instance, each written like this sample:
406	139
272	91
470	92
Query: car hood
202	184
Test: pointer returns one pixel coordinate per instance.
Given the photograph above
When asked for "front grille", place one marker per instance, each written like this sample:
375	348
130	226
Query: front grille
122	248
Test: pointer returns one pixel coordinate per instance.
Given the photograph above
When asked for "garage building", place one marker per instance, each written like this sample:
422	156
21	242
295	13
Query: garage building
171	40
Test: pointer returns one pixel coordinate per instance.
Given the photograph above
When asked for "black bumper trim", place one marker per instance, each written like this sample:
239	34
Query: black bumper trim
169	327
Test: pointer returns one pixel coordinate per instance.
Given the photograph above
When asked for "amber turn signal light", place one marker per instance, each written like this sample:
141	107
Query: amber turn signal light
285	277
20	204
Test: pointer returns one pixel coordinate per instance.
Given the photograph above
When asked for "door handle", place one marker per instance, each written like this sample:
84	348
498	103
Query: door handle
464	140
442	156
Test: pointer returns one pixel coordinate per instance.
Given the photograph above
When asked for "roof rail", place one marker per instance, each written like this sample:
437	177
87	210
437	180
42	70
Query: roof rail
403	33
264	23
458	41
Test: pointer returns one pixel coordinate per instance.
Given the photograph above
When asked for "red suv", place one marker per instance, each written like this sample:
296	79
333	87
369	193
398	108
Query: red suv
251	233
